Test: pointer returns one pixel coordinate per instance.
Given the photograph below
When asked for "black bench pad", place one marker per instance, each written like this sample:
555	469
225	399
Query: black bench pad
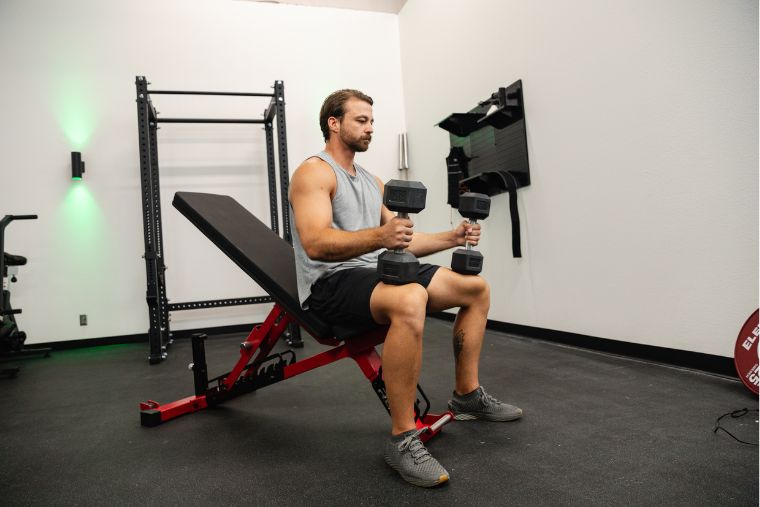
257	250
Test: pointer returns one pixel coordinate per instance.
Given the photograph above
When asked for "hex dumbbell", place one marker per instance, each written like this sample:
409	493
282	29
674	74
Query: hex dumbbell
473	207
398	266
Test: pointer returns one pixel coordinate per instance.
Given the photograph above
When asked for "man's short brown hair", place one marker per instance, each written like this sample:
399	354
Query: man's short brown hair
334	104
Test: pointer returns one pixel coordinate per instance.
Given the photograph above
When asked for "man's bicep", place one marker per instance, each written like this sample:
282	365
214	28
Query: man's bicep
313	212
312	208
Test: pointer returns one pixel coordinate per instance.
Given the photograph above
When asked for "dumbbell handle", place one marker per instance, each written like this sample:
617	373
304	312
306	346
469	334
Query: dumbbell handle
401	214
472	221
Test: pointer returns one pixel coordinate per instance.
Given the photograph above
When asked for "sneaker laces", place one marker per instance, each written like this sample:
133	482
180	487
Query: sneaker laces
416	448
487	399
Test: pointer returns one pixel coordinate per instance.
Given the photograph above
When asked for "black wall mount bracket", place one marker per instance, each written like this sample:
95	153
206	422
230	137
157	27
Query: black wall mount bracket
489	151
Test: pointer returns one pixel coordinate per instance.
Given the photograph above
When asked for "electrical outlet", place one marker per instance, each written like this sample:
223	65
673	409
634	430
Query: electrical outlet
83	320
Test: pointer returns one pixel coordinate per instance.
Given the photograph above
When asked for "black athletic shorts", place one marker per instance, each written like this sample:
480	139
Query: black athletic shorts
343	297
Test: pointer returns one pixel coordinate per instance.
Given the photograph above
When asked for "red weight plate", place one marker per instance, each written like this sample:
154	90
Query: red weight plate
745	353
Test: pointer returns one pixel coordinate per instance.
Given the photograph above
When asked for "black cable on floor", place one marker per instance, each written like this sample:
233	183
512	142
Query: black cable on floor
734	415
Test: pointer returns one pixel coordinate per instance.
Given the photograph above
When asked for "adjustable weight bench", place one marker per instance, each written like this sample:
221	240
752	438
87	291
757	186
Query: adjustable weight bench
270	261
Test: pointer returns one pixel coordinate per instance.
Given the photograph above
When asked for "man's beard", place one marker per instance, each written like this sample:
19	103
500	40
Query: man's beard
356	145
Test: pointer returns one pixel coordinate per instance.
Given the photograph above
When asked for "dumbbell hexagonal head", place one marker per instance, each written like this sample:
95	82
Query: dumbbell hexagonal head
467	262
397	268
404	196
474	206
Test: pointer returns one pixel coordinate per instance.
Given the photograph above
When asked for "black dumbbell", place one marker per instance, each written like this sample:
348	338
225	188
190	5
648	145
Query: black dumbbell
398	267
474	207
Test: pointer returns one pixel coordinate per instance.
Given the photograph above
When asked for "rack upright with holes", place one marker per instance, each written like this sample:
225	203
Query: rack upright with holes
159	333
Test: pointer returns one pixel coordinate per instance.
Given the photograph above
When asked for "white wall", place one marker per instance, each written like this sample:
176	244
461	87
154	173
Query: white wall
68	84
641	223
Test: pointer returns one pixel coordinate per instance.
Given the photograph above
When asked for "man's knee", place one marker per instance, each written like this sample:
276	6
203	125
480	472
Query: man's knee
479	291
482	288
407	306
409	300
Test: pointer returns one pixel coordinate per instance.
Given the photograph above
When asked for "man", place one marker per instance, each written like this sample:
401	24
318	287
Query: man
341	226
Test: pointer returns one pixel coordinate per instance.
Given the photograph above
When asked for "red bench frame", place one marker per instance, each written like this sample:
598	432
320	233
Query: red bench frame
256	369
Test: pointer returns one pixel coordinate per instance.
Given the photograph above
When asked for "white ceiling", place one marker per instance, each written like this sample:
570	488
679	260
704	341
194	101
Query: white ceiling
392	6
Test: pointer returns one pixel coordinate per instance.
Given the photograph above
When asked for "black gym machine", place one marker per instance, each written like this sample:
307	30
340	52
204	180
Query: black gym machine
159	333
11	337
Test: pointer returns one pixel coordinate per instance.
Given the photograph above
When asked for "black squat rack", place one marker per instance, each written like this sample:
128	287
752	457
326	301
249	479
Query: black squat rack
159	334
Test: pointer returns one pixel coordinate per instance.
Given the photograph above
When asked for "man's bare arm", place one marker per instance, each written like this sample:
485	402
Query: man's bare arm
311	190
425	243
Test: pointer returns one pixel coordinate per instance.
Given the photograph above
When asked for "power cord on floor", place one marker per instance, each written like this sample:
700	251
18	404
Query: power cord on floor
734	415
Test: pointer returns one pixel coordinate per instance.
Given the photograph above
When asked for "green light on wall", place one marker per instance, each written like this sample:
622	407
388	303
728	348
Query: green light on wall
83	236
85	249
80	211
74	109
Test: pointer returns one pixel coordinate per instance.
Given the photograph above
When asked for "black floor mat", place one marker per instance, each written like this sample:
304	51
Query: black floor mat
597	430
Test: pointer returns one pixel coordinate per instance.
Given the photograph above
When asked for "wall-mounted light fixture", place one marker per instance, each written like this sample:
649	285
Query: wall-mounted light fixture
77	165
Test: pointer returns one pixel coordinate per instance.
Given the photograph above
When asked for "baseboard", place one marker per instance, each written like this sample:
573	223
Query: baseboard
140	338
694	360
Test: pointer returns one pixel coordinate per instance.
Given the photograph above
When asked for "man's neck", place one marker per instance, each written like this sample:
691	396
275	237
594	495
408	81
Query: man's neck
343	155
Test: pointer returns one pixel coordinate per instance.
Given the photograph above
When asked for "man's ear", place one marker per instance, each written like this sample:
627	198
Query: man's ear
333	124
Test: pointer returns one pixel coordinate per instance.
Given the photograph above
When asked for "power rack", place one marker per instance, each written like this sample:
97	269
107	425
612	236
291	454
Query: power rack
159	333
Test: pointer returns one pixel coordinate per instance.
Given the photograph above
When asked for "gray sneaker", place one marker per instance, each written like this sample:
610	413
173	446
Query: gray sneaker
407	455
481	405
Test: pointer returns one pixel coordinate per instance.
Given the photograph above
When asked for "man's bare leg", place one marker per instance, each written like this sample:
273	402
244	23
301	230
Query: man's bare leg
403	307
472	294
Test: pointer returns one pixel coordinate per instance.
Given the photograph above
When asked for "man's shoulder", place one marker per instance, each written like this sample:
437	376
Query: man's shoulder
314	164
314	169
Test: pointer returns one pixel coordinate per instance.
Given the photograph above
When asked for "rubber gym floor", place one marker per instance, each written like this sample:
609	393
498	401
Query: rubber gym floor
598	429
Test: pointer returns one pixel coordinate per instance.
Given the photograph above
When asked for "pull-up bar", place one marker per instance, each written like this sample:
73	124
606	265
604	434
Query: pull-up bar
238	94
207	120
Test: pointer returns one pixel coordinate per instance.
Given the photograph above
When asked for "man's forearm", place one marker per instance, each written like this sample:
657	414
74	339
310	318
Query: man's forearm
425	244
335	245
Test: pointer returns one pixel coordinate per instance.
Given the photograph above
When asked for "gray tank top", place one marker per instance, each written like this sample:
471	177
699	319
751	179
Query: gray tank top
355	206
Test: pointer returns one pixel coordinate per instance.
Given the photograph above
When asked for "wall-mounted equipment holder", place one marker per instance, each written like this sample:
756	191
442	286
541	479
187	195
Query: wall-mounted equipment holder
489	151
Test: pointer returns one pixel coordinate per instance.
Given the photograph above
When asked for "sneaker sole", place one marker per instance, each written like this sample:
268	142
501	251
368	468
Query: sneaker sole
487	417
417	481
